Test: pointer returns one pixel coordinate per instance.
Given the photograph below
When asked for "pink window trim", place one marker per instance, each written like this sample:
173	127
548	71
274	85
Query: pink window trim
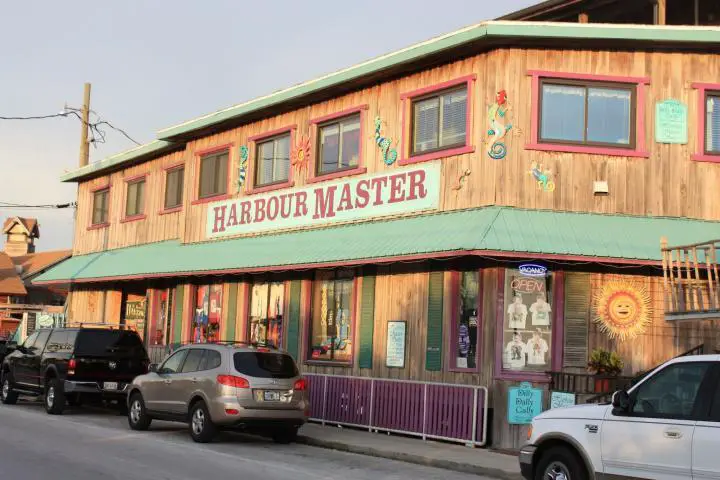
250	178
558	340
214	198
215	149
640	150
702	89
405	157
98	226
171	210
308	328
134	218
456	279
174	166
105	186
313	176
198	162
135	178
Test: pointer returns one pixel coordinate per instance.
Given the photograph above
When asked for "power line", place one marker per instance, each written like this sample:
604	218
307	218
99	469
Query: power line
50	206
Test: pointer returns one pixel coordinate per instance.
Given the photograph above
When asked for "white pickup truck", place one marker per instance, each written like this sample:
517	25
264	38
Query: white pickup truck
665	427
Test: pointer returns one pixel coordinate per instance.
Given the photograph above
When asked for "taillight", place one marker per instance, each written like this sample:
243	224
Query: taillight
71	366
300	385
233	381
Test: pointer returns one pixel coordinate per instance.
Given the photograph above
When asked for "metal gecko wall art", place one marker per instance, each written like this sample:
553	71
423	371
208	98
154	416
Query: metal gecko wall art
461	180
389	155
242	167
498	128
543	177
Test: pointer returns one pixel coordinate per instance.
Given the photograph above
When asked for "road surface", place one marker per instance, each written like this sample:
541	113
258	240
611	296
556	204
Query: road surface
88	444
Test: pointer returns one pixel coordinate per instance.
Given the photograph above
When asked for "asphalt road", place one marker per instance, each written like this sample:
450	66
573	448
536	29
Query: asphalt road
88	444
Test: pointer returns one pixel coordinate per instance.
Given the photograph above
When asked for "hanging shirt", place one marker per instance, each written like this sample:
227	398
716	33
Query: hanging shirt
518	315
515	354
536	349
540	313
463	340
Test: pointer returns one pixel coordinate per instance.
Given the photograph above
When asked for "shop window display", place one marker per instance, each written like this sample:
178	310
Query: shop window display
527	326
207	314
266	313
466	326
159	329
331	326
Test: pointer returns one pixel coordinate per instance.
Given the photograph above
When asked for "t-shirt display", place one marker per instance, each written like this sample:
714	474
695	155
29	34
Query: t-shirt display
540	311
536	348
515	353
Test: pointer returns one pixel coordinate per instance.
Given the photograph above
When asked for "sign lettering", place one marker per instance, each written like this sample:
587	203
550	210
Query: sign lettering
383	194
524	404
530	270
527	285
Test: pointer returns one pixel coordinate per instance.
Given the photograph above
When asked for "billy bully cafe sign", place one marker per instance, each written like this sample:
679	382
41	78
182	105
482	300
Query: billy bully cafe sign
395	192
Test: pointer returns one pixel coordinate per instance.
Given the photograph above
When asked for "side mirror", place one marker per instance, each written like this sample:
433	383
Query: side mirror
153	368
621	401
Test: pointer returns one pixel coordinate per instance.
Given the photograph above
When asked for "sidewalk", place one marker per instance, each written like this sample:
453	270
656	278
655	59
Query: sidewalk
434	454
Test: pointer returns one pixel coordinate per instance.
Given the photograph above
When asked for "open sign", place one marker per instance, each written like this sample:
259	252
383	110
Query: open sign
532	270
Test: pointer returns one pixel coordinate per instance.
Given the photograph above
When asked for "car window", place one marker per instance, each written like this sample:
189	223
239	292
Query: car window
670	393
92	343
265	365
40	341
30	341
61	341
173	363
192	362
213	360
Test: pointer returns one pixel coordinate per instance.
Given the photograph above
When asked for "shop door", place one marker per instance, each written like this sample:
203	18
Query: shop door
133	310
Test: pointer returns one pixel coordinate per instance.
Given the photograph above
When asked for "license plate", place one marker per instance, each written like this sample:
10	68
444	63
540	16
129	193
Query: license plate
110	386
271	396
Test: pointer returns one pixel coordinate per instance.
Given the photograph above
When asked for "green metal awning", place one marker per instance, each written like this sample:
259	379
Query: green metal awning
493	231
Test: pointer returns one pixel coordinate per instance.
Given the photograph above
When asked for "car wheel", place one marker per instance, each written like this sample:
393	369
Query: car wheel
285	436
54	397
202	429
138	419
7	394
559	463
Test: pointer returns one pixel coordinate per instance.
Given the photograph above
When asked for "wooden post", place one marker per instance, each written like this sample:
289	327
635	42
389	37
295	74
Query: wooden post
661	12
583	18
85	119
669	294
697	283
711	282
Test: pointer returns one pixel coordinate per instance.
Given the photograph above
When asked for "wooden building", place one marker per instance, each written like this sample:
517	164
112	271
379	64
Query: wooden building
481	209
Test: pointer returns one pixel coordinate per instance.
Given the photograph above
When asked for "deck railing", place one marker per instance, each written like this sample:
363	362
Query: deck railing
691	281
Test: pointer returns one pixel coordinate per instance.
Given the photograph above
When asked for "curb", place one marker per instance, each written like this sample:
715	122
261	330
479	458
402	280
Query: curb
411	458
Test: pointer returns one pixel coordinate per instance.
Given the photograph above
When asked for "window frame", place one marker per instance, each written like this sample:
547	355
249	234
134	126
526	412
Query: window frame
140	215
200	155
407	157
168	170
703	91
202	352
587	85
251	186
192	305
307	355
285	306
556	278
314	176
435	95
639	149
94	192
455	306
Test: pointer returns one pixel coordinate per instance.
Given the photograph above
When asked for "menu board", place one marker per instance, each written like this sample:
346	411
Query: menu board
395	354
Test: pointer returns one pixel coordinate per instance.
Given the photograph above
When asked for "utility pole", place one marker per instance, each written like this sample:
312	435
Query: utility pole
85	114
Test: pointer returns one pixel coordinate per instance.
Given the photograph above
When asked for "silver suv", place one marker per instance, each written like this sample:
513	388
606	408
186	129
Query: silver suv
223	386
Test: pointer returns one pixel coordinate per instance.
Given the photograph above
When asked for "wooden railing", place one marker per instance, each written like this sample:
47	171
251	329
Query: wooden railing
691	282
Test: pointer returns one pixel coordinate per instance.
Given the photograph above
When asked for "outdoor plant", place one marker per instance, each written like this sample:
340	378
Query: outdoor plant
603	362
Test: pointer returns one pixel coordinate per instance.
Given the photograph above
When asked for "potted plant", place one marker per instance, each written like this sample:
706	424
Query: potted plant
605	365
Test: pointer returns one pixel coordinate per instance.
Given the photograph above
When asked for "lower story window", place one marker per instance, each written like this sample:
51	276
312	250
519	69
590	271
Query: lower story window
465	325
527	325
266	313
331	323
207	314
159	328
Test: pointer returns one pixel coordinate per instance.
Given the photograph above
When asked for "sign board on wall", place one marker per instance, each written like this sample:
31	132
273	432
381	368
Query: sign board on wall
561	400
395	351
671	122
524	404
394	192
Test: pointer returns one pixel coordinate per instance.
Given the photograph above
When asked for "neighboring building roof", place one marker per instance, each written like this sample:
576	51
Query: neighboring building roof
541	8
34	263
439	50
10	282
490	231
29	224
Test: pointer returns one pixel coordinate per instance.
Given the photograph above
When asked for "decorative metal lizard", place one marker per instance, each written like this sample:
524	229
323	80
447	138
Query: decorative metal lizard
544	181
242	167
498	129
389	154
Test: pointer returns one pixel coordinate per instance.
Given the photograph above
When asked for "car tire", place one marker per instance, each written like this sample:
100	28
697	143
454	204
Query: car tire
202	428
7	394
285	436
54	397
560	460
138	418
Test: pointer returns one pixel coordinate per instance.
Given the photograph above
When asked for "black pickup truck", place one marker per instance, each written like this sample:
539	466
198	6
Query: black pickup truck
67	365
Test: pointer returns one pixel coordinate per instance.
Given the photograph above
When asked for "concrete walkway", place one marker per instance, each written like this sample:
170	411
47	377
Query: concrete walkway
435	454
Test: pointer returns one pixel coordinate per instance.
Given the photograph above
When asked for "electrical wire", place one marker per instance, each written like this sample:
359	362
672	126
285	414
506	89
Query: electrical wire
49	206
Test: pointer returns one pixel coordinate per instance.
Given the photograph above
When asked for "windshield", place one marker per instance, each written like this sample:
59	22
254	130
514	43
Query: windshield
108	342
265	365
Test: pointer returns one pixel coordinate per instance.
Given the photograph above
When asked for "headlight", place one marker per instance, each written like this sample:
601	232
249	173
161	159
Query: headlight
530	432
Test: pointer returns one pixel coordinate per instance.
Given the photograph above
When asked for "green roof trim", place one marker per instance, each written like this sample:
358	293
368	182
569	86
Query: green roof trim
489	229
492	30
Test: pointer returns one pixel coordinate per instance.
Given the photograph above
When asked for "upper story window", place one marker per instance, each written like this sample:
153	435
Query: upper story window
174	181
100	206
439	121
273	161
578	112
213	174
712	123
339	145
135	202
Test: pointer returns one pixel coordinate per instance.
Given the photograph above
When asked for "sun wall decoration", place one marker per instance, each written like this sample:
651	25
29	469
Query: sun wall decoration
622	309
300	155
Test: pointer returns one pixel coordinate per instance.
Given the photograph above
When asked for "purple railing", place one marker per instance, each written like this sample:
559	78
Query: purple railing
429	410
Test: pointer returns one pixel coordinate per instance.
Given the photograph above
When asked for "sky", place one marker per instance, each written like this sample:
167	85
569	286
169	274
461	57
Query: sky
157	63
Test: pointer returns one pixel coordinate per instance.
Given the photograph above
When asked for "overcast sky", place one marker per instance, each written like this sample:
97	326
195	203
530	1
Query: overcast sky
156	63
